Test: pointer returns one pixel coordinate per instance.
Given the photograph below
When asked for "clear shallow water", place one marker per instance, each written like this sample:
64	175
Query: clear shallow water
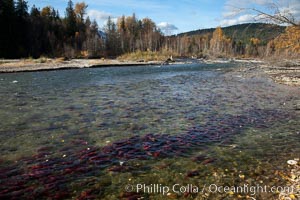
64	133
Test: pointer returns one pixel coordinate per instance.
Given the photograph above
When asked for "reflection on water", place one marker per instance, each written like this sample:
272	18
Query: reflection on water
88	133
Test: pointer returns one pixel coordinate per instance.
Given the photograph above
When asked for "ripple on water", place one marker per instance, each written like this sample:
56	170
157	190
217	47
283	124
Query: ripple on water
70	131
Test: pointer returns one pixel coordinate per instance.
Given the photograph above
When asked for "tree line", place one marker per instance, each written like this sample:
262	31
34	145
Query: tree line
43	32
130	34
218	44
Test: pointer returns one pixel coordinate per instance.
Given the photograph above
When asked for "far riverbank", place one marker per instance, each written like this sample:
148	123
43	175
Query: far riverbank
284	72
47	64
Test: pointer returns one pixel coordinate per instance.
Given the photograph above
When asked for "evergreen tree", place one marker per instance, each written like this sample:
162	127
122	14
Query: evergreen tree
36	36
8	28
34	12
22	33
112	40
70	19
21	9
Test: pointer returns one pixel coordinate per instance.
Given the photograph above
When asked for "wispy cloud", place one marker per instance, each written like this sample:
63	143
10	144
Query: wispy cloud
101	17
238	20
117	8
98	15
238	11
294	8
167	28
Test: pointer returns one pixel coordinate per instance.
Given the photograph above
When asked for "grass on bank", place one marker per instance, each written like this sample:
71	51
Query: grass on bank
145	56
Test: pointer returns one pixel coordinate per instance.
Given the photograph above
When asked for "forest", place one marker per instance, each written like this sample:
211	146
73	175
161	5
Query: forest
43	32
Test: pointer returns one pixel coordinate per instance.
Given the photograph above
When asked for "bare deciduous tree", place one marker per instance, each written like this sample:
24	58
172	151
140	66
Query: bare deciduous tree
276	11
276	15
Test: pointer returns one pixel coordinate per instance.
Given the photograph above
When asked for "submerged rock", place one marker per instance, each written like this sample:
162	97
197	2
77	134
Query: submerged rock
292	162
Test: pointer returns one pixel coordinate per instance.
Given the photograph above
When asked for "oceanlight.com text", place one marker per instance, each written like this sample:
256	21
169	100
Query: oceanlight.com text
212	188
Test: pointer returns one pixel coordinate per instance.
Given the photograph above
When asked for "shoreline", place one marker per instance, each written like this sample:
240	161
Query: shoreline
48	64
283	72
24	65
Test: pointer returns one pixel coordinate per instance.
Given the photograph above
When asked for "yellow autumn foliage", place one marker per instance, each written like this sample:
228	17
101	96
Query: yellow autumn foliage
219	43
84	54
255	41
287	42
216	40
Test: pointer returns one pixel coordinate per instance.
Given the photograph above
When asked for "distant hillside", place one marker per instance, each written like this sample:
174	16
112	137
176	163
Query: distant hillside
243	32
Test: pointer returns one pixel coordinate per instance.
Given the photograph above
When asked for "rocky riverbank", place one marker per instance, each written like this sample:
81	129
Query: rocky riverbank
285	72
293	181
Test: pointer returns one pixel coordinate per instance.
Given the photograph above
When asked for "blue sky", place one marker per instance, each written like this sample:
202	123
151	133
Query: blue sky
176	16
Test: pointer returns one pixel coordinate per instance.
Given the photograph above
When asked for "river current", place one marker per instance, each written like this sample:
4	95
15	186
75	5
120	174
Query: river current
102	133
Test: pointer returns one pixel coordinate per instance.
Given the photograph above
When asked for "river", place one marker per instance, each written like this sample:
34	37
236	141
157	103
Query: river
92	133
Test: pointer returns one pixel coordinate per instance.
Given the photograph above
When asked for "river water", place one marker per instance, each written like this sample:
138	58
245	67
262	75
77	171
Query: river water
100	133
